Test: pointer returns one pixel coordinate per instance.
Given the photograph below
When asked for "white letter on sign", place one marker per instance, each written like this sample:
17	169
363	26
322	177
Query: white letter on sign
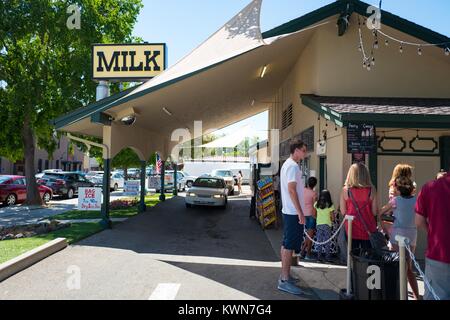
374	280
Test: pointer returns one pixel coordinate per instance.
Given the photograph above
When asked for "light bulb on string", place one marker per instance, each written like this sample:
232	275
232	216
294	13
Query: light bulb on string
401	48
375	44
386	42
373	61
419	51
359	47
447	51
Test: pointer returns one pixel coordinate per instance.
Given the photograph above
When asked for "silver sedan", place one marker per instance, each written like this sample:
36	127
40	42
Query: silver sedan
207	191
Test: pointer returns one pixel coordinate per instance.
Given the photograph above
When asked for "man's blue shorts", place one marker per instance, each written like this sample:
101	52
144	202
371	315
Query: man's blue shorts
293	232
310	223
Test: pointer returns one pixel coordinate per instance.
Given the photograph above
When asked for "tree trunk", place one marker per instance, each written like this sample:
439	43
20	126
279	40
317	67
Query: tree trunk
33	196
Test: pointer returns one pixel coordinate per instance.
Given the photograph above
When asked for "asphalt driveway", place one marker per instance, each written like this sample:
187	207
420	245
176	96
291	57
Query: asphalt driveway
168	252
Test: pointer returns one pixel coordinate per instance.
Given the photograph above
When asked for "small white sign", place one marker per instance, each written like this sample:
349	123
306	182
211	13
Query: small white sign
132	187
321	148
89	199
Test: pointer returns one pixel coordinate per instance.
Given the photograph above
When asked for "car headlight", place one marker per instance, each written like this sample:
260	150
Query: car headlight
191	194
218	196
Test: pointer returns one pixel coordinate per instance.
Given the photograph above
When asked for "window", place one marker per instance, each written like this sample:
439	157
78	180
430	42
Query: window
46	164
57	164
40	165
286	119
209	183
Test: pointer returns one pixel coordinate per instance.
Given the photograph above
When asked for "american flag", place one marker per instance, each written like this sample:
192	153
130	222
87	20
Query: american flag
158	164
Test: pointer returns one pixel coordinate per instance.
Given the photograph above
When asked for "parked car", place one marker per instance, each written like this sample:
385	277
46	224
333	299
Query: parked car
133	173
41	174
180	181
207	191
117	180
188	179
227	176
65	184
13	190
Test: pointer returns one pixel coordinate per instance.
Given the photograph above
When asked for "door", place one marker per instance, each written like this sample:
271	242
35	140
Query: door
20	189
424	170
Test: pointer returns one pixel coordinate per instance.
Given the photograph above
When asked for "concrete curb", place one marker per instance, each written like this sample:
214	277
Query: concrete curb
29	258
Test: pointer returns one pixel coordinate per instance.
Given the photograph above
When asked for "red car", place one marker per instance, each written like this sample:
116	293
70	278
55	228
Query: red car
13	190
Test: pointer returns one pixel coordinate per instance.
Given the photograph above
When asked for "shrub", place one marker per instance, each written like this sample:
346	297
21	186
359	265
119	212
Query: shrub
123	203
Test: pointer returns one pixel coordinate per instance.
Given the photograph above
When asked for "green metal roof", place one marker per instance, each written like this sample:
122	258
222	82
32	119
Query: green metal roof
341	7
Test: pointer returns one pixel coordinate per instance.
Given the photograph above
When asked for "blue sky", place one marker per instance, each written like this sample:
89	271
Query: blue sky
184	24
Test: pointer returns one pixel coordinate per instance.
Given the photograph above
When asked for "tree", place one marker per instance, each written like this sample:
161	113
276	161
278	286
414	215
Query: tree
125	159
45	68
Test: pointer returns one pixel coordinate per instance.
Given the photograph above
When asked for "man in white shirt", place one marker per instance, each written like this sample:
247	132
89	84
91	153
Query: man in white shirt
291	187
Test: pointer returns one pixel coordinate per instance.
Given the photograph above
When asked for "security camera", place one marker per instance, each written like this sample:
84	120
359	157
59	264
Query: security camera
128	120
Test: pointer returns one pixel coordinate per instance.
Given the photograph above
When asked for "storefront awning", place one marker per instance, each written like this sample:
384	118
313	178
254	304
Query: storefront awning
383	112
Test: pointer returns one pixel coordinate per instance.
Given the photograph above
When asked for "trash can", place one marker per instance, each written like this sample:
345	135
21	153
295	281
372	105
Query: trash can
364	281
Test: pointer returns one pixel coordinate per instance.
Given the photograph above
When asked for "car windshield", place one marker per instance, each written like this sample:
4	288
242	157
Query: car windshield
223	173
4	179
209	183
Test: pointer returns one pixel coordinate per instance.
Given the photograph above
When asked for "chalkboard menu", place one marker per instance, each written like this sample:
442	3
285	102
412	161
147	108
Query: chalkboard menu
307	136
361	138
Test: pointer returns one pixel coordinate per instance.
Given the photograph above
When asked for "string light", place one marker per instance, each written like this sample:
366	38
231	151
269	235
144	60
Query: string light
369	60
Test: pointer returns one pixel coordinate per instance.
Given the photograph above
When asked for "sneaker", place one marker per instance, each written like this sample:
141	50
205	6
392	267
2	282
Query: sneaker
309	258
291	279
289	287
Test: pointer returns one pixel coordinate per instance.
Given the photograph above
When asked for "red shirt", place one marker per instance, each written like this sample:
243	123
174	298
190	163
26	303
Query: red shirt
433	203
362	199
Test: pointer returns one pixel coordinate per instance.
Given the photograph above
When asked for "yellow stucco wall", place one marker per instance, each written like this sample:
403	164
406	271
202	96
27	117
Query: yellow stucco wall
332	66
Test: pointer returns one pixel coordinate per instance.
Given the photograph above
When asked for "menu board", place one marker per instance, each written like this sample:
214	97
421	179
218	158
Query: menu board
361	138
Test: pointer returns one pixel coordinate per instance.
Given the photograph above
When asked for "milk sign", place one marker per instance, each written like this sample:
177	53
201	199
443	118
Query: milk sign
89	199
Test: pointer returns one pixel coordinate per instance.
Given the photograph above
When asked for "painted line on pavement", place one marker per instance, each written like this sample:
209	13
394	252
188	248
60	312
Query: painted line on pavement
165	291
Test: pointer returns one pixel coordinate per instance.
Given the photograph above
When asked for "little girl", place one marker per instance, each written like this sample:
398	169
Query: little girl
403	209
325	215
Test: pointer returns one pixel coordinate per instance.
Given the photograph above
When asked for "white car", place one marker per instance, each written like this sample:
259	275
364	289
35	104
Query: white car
207	191
40	175
187	178
180	181
227	176
117	179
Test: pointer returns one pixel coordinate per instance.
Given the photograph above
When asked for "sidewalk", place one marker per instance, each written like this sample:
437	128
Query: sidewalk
324	279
